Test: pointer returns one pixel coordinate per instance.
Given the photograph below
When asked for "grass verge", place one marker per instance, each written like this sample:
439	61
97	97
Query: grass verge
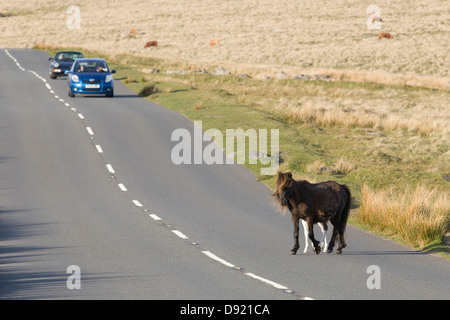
417	215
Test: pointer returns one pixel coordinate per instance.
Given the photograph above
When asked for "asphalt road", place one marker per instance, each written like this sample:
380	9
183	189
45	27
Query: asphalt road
84	182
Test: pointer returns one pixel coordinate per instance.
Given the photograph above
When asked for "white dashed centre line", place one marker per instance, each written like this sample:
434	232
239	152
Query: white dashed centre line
99	148
214	257
180	234
110	168
137	203
273	284
154	217
89	130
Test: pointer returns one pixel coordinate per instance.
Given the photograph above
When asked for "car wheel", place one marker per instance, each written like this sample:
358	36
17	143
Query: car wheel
53	76
71	94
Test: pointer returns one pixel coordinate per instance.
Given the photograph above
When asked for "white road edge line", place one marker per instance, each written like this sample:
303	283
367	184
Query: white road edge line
214	257
273	284
137	203
89	130
110	168
180	234
154	217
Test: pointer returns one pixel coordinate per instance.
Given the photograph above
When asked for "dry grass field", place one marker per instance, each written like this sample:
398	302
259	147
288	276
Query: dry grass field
264	35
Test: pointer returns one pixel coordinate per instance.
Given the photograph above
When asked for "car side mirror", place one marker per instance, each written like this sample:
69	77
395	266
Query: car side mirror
66	71
113	71
50	59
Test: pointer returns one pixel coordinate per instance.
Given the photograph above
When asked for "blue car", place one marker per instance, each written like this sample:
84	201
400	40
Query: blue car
90	76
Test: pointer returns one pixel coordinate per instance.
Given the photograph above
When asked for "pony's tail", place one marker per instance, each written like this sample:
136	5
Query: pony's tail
346	211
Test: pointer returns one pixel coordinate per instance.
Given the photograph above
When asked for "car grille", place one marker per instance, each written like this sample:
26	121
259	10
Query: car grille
92	82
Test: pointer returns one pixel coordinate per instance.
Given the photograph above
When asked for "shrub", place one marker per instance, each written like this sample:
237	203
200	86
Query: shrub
148	90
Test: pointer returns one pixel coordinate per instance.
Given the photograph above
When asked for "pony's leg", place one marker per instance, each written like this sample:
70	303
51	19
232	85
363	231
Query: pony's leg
311	235
305	231
296	232
333	238
324	227
342	243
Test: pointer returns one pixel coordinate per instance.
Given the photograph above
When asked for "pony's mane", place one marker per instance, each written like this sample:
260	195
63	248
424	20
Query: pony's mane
282	181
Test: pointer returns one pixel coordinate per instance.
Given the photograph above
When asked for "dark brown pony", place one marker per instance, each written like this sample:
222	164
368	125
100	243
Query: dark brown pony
319	202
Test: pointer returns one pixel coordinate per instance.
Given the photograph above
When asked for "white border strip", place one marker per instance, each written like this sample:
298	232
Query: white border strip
273	284
137	203
214	257
154	217
180	234
89	130
110	168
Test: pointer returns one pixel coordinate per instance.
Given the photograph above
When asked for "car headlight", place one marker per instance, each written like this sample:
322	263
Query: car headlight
75	78
108	78
55	64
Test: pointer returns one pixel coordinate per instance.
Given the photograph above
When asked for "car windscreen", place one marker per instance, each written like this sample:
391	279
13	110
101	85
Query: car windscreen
68	56
90	66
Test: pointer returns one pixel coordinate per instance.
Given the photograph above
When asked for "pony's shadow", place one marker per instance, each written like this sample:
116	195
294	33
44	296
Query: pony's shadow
383	253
